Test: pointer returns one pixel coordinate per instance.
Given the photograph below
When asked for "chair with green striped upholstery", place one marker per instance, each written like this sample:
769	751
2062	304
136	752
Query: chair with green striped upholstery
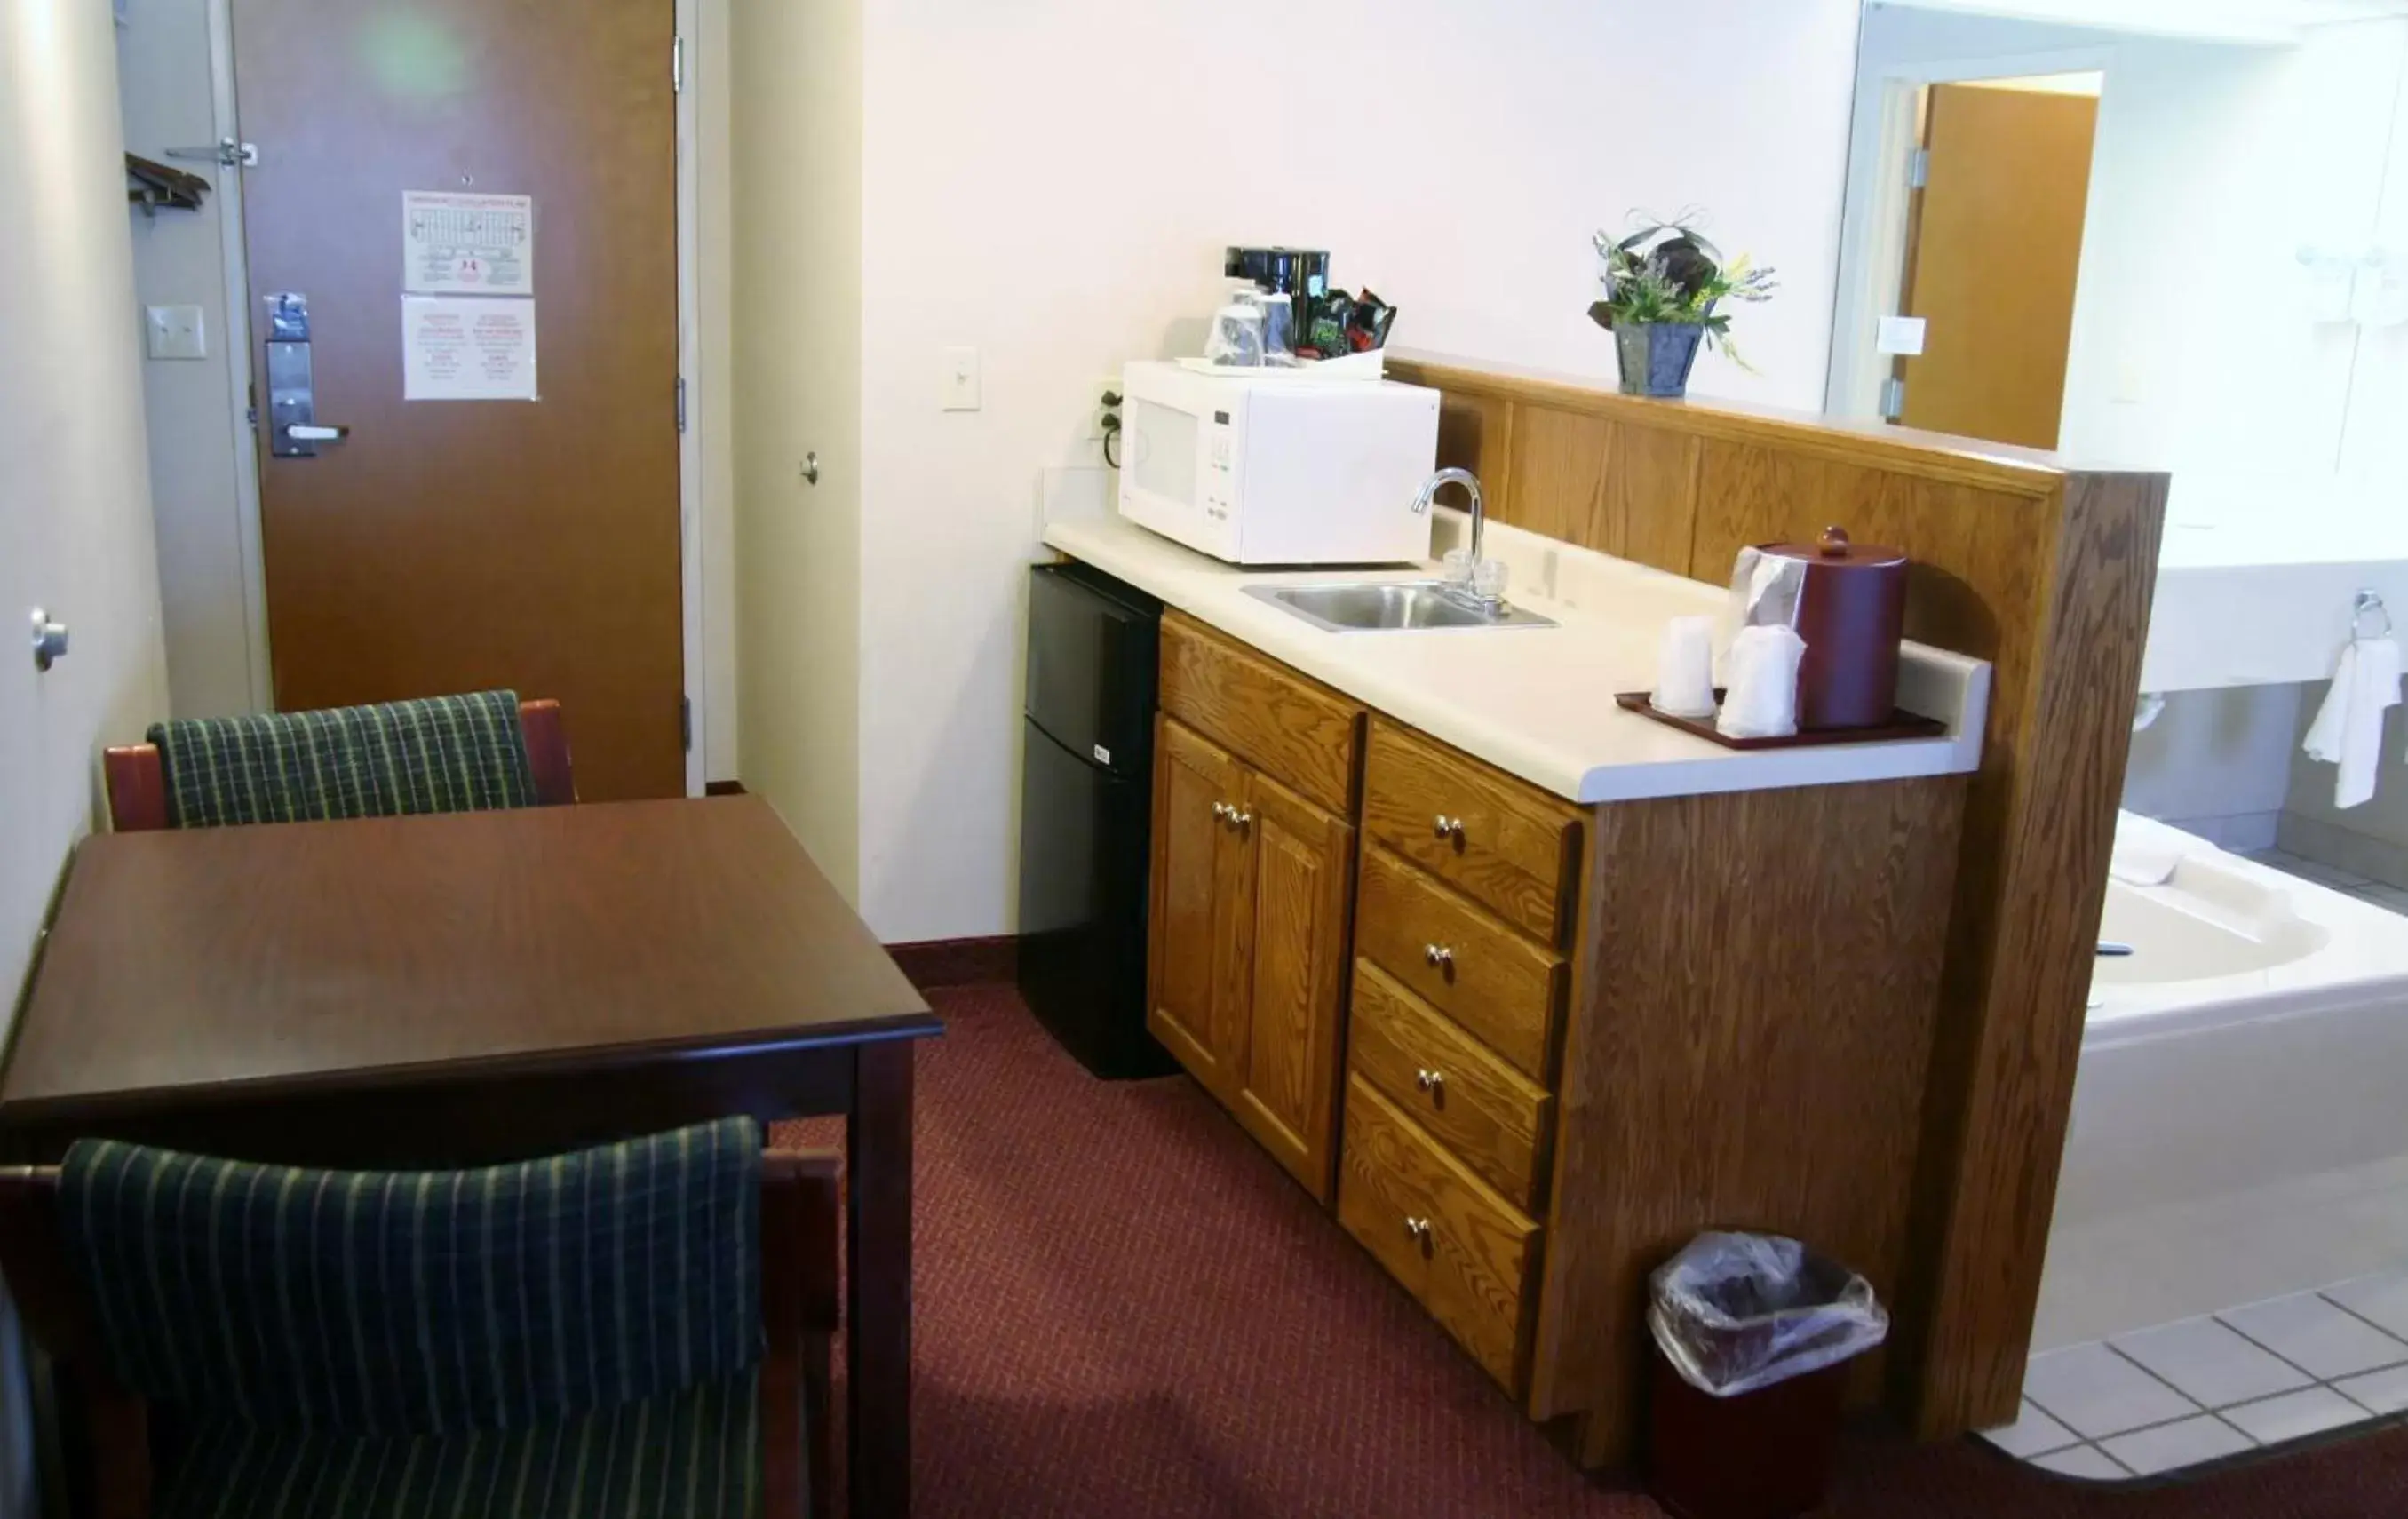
636	1329
466	753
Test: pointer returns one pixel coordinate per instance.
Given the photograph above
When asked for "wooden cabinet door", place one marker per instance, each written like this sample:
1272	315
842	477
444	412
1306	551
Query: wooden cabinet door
1301	858
1201	929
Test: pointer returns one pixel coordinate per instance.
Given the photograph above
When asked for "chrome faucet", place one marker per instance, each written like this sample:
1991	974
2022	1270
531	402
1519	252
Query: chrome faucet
1474	592
1470	483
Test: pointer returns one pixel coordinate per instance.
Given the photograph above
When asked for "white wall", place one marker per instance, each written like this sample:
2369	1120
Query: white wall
2194	346
1052	183
74	508
797	364
196	474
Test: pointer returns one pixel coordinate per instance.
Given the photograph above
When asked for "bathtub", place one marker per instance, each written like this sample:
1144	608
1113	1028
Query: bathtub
2241	1111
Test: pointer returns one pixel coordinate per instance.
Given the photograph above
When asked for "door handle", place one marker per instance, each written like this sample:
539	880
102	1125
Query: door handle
293	430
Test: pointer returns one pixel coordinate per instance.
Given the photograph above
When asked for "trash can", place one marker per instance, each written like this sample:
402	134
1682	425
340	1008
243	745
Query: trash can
1752	1331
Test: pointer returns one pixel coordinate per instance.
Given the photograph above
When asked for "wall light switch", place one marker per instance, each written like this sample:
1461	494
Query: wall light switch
174	332
959	379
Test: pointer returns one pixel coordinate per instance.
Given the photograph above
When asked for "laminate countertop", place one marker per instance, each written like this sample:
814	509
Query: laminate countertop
1538	702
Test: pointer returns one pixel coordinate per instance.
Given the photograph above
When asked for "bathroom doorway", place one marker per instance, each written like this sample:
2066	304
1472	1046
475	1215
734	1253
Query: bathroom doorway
1999	182
1966	217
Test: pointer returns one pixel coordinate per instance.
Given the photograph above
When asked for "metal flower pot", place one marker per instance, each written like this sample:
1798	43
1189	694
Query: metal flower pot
1656	356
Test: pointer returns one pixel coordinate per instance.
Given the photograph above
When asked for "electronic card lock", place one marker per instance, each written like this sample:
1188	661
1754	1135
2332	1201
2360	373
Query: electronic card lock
293	431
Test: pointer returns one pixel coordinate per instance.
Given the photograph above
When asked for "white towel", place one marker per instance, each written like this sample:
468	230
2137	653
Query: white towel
2348	729
2147	850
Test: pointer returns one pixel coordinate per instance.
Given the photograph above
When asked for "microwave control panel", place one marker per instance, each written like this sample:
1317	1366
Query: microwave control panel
1220	453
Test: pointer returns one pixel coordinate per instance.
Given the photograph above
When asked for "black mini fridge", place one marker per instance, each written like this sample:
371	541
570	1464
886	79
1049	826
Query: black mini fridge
1086	815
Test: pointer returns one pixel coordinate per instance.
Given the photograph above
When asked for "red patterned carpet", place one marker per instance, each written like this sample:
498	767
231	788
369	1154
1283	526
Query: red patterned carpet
1124	1309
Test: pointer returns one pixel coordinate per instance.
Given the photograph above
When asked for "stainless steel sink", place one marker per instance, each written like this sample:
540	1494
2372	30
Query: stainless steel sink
1387	606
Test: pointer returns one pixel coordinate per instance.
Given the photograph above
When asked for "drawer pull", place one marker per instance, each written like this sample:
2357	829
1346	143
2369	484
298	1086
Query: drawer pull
1418	1231
1439	957
1448	827
1431	1082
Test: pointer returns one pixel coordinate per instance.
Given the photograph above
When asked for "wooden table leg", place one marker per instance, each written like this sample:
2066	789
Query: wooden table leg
878	1282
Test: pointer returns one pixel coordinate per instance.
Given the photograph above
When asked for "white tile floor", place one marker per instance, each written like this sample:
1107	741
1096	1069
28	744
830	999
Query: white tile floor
2344	882
2159	1401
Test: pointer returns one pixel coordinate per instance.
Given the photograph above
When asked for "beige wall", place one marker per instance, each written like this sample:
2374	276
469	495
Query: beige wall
1052	183
206	558
796	354
74	505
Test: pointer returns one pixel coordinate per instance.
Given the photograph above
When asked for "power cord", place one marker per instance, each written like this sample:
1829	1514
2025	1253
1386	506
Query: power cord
1111	425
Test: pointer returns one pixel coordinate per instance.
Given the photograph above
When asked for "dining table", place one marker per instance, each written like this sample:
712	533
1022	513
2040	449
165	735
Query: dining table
467	988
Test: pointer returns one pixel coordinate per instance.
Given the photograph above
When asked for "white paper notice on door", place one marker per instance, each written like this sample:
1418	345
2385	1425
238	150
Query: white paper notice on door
456	243
466	348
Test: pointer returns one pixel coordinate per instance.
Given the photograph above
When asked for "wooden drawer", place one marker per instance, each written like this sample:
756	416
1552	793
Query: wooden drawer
1282	725
1485	976
1506	844
1460	1249
1490	1115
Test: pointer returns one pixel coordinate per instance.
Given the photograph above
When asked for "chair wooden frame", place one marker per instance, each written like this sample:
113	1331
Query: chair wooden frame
800	1314
137	778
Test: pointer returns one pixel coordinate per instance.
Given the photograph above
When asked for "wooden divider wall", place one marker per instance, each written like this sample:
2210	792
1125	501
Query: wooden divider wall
2044	570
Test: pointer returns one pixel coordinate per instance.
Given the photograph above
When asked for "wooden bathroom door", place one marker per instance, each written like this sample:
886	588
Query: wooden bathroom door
1991	261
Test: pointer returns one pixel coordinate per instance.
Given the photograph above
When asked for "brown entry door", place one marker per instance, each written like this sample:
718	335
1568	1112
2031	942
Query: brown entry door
1991	263
453	544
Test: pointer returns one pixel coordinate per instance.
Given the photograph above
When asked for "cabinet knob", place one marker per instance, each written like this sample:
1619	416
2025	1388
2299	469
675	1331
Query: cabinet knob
50	640
1447	827
1223	811
1439	957
1243	820
1418	1230
1431	1082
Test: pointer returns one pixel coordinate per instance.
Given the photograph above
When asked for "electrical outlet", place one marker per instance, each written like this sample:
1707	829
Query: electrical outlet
1104	399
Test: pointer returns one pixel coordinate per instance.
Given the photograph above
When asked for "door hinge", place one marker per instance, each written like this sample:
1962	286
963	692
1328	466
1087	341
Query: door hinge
681	403
1893	398
225	151
1918	169
677	65
685	724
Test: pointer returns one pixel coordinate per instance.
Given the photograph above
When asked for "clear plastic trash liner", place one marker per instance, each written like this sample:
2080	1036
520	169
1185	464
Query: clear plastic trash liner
1734	1312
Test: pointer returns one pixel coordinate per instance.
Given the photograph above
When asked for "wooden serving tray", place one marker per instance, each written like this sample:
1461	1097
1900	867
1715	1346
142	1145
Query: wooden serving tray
1901	724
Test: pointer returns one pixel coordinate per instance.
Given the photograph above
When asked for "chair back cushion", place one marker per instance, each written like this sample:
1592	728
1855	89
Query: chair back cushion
425	1302
441	755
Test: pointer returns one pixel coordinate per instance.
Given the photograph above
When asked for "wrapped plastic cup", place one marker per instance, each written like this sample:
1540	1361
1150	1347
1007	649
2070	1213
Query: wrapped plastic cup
1761	700
1684	668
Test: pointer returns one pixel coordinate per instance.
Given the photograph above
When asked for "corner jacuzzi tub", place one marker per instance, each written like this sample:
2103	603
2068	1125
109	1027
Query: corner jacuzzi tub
2241	1111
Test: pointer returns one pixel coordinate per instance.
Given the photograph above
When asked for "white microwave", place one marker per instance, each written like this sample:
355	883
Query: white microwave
1278	470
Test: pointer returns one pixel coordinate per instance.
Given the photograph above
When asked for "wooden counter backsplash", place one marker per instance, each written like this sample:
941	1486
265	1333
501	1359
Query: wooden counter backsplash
2044	570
